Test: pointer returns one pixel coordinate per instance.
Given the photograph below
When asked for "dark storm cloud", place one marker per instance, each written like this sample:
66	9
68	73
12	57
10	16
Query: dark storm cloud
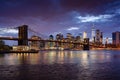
50	8
13	8
86	6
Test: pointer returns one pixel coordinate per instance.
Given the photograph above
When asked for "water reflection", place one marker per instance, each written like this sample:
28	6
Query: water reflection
100	56
61	65
50	57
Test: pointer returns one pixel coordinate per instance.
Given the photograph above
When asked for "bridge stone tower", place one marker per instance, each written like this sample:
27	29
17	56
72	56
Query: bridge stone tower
86	44
23	35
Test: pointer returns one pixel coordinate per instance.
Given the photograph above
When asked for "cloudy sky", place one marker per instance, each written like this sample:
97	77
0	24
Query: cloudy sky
54	16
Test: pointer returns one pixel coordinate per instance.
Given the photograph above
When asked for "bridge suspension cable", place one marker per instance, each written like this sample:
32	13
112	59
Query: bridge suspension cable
15	30
37	33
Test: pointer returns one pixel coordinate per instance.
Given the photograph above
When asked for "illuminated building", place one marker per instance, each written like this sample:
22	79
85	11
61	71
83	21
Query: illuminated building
20	48
59	36
98	37
84	35
101	38
51	37
78	39
70	38
51	44
116	38
93	34
106	42
69	35
35	44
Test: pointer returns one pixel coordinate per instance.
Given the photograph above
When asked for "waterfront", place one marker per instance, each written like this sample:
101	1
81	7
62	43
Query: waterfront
61	65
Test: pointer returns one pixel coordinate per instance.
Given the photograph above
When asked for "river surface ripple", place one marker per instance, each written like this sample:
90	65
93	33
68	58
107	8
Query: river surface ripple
61	65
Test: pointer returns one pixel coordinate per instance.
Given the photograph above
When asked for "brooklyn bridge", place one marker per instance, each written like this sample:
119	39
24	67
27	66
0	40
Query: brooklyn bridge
23	40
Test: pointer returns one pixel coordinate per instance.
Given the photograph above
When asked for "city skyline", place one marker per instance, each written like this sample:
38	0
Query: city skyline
65	16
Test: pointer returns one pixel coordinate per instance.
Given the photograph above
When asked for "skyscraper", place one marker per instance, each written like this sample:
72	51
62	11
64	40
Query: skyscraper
116	38
99	37
51	37
51	44
84	35
69	35
35	44
93	34
59	36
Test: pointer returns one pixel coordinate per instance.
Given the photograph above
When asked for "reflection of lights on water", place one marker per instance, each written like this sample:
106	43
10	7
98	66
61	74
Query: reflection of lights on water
93	57
101	57
108	57
84	56
27	57
50	57
19	55
62	55
61	58
10	60
52	54
85	61
71	54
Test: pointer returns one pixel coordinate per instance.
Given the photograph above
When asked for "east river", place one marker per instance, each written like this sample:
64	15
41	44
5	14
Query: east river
61	65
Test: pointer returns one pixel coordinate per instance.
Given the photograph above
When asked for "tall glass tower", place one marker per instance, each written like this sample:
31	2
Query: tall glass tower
93	34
